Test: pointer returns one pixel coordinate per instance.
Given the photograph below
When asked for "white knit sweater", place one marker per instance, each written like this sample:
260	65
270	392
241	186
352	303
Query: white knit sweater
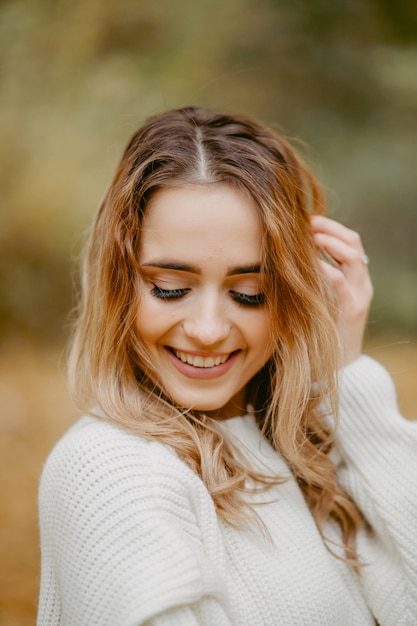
130	536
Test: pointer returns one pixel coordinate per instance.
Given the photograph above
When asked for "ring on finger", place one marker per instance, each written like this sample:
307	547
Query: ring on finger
365	259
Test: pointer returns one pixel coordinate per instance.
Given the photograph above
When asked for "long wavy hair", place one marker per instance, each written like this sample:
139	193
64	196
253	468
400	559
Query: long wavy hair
109	367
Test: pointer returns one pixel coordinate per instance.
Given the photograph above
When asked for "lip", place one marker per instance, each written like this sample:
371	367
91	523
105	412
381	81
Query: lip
199	352
202	373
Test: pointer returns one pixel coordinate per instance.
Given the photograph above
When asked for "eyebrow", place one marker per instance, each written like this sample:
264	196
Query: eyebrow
182	267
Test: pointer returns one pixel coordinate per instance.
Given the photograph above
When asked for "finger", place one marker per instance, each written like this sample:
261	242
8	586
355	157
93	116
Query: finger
353	294
325	225
340	251
336	277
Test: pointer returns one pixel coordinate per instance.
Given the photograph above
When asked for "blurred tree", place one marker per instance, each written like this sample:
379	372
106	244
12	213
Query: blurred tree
77	77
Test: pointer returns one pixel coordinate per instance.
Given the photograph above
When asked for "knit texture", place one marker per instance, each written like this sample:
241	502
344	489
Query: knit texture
129	534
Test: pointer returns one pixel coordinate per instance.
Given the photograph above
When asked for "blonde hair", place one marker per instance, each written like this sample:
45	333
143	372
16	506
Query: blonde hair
108	365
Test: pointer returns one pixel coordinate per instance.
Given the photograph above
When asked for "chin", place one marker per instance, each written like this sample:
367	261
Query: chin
218	410
203	405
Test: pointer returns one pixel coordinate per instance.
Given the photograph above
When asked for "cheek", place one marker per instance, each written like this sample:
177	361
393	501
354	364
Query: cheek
261	326
154	319
259	334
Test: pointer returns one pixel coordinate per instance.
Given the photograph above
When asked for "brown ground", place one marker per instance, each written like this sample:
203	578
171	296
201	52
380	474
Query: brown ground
34	411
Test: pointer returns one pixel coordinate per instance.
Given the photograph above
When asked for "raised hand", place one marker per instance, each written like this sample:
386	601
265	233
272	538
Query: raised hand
347	270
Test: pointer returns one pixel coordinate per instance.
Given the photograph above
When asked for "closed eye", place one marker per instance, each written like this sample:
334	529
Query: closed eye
175	294
168	294
243	298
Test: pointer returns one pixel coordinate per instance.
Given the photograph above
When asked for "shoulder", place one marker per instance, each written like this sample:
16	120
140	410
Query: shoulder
93	436
366	379
365	370
126	527
98	465
95	442
371	428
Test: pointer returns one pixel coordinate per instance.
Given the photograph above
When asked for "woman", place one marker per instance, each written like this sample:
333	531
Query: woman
243	464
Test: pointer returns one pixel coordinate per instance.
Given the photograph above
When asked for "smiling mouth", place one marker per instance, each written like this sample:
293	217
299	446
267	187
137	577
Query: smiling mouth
201	361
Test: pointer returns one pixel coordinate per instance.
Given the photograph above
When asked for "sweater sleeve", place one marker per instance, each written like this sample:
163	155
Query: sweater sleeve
378	454
121	536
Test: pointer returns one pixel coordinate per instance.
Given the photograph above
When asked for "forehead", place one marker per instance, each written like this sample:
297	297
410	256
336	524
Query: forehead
205	221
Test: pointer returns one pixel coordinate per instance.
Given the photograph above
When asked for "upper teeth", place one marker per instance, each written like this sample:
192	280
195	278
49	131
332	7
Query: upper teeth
200	361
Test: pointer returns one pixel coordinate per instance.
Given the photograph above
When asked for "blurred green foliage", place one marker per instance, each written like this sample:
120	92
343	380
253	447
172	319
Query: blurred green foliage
78	77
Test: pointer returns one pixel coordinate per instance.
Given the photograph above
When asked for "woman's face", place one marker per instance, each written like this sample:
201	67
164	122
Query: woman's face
201	315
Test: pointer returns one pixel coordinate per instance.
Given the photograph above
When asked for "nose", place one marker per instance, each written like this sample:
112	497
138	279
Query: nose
207	323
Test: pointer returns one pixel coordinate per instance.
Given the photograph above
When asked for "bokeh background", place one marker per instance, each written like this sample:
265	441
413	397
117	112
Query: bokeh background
77	77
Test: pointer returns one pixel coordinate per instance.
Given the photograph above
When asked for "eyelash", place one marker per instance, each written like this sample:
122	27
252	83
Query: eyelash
175	294
168	294
243	298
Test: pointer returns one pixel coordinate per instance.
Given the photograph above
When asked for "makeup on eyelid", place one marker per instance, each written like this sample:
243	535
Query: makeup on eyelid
243	290
175	294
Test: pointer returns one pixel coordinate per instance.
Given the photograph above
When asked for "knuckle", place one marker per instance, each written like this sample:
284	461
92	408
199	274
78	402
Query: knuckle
339	279
355	238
